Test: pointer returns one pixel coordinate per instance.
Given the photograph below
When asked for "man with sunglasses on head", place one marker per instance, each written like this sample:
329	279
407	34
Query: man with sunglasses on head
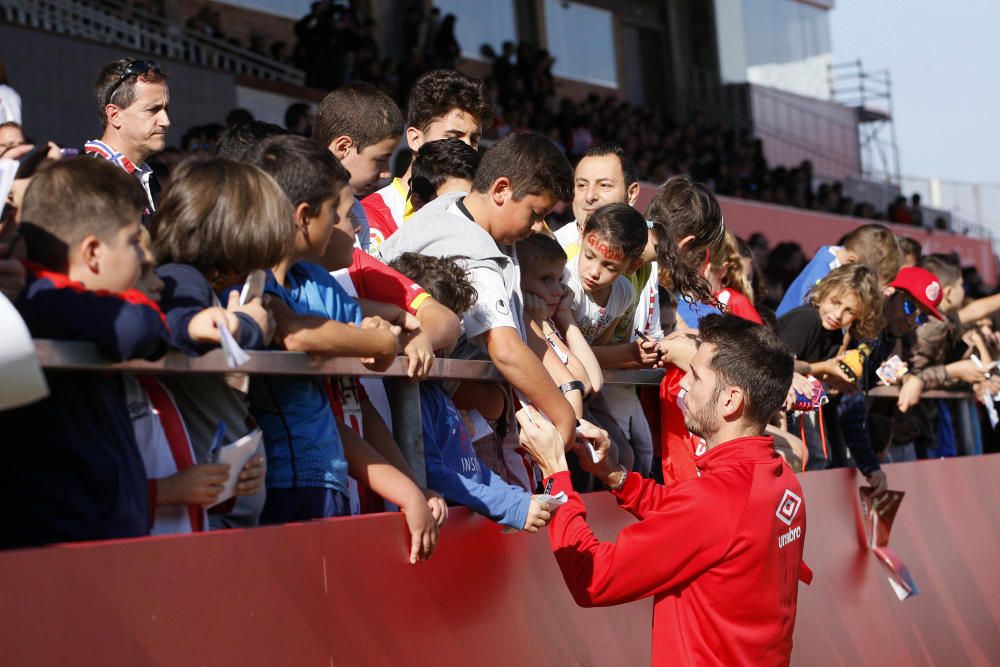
132	103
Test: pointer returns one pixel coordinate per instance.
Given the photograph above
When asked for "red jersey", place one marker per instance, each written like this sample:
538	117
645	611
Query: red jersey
386	210
677	444
721	554
737	303
377	281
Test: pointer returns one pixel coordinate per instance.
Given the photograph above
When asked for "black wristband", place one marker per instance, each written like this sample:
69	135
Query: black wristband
570	386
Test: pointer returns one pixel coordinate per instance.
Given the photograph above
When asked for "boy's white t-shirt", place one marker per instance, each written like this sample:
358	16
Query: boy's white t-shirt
592	319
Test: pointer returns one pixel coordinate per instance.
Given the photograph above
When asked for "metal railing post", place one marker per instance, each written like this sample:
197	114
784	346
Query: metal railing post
407	423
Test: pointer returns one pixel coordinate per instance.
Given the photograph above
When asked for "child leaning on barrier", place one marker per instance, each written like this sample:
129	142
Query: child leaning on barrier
452	465
848	299
71	467
310	452
217	221
182	487
552	330
519	180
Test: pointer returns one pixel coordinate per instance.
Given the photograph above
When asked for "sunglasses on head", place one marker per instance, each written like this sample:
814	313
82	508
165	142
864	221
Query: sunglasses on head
909	308
134	68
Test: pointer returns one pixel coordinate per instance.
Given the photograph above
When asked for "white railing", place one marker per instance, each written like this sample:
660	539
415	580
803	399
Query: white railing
112	23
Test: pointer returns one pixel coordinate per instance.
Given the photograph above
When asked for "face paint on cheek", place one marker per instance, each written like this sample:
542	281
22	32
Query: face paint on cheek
600	246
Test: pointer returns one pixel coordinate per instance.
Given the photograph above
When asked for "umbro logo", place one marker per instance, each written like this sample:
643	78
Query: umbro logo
788	507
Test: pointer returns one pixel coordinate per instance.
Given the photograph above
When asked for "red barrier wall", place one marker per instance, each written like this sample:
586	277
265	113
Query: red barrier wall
812	230
339	592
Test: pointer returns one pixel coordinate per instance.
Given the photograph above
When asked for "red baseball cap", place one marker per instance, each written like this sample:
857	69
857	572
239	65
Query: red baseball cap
922	285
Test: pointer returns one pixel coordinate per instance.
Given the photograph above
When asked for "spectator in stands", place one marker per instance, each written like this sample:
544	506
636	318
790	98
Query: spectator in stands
218	222
899	212
132	101
446	47
872	245
238	116
441	167
910	251
360	125
299	119
678	552
452	465
518	182
442	104
73	470
10	101
239	140
916	210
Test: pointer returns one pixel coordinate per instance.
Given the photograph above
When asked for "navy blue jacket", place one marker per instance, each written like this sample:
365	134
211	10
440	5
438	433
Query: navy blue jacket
71	469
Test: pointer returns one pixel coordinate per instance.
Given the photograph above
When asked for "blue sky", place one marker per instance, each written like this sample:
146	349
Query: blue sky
944	58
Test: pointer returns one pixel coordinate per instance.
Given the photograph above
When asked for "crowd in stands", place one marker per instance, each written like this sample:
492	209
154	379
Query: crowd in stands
255	236
335	46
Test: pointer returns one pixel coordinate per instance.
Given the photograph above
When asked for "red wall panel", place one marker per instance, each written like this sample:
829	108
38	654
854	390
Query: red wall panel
811	230
340	592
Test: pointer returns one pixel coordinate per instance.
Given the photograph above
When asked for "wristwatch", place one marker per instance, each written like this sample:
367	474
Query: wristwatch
570	386
621	482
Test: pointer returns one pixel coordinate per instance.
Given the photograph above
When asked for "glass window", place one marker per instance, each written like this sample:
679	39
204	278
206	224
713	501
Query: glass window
480	22
582	40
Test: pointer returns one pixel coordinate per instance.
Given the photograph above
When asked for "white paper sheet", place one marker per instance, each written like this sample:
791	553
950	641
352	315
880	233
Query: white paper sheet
236	455
21	378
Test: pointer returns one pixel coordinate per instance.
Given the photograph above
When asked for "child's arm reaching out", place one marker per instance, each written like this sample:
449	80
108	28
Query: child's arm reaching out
371	469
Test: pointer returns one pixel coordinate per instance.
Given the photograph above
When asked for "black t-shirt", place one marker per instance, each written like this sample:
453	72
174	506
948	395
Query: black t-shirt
802	331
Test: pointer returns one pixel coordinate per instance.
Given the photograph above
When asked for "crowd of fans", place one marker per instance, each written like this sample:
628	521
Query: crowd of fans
256	236
335	46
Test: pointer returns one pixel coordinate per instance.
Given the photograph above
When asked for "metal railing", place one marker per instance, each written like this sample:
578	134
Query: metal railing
403	393
113	23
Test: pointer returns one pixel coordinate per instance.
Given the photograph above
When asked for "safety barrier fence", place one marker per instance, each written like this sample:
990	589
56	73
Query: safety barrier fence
340	592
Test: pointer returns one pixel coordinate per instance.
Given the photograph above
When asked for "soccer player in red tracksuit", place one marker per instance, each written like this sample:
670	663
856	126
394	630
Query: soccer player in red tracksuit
720	553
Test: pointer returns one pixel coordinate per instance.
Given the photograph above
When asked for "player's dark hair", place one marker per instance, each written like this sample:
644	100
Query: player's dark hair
752	358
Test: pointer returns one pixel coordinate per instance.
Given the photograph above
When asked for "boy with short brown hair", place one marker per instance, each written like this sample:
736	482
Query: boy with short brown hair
73	471
361	126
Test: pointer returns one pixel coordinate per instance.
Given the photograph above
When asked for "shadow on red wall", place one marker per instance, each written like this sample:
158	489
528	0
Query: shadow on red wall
340	591
811	230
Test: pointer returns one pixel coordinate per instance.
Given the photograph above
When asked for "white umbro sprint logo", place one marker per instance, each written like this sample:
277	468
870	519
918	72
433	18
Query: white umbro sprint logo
788	507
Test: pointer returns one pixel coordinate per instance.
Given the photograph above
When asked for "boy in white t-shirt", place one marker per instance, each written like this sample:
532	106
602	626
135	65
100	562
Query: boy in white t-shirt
518	182
612	244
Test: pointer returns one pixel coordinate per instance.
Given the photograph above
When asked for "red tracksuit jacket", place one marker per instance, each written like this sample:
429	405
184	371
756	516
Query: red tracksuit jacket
721	553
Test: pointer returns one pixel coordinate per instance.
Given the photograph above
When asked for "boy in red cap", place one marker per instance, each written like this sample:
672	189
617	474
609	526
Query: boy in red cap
910	299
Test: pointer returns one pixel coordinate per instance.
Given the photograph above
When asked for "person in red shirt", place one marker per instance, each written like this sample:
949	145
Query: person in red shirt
720	553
